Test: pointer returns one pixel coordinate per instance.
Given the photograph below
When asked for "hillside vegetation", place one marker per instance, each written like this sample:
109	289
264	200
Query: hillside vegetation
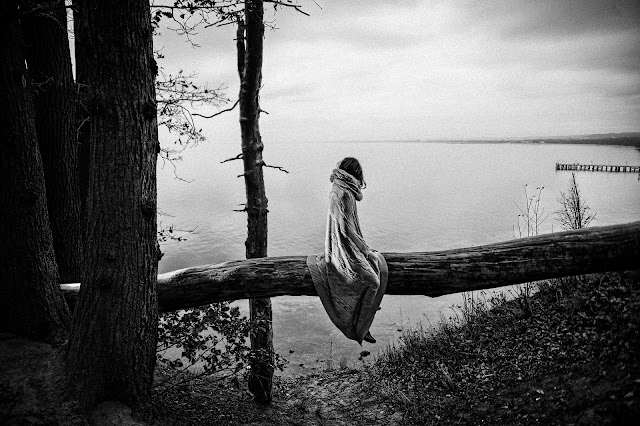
564	354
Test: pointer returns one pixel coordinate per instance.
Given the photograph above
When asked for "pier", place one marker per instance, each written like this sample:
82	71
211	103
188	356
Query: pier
597	168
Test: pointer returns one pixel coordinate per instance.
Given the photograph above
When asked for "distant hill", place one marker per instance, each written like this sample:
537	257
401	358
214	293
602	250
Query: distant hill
625	139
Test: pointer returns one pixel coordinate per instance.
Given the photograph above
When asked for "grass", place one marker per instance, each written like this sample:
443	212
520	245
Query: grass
567	354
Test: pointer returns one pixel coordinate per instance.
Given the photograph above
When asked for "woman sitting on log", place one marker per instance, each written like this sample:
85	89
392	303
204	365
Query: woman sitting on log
349	277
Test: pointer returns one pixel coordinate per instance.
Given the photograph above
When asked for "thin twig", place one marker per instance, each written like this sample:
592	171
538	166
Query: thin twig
237	157
297	7
217	113
274	167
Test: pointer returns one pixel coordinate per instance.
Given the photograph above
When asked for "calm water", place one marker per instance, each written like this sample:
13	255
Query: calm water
420	197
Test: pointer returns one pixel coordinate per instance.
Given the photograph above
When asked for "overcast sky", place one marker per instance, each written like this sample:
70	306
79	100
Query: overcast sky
370	70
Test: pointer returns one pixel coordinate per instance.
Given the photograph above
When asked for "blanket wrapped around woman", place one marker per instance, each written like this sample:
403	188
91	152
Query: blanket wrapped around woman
350	286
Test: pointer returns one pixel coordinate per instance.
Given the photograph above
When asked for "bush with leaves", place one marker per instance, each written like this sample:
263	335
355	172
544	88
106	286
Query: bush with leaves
211	340
212	337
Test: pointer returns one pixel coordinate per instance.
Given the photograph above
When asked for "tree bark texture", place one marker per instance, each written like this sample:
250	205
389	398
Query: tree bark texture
49	64
113	340
589	250
31	303
83	116
250	70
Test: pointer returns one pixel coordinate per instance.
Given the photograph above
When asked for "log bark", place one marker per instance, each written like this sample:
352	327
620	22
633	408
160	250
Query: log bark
596	249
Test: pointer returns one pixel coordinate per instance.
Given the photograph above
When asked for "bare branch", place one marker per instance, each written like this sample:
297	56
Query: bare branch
188	15
170	233
274	167
176	97
165	157
237	157
297	7
217	113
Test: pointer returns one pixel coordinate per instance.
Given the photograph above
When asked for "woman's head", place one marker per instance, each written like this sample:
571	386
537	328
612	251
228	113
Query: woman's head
353	167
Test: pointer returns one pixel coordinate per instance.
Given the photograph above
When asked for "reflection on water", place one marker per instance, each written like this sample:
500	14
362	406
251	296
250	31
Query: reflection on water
420	197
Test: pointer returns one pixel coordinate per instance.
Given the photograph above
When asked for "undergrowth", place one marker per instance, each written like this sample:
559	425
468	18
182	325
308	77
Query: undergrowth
567	356
210	342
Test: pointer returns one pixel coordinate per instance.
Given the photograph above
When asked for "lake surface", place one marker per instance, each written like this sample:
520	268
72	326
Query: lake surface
419	197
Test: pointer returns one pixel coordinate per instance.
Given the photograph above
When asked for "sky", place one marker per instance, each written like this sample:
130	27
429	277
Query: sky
376	70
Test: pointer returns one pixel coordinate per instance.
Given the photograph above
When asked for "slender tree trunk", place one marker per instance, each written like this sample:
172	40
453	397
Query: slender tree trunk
50	67
31	303
113	340
250	69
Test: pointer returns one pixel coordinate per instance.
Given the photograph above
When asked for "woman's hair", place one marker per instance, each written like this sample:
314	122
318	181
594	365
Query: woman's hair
353	167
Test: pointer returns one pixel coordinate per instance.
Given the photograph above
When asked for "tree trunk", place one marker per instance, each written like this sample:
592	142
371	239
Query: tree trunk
55	104
113	340
250	70
562	254
31	303
82	53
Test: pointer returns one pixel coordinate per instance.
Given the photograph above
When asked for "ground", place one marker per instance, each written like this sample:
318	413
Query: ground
341	397
568	354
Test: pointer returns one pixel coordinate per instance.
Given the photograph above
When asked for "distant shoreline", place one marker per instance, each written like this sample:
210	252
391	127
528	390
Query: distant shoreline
609	139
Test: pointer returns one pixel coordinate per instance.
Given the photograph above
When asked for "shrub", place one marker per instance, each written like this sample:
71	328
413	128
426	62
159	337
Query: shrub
575	213
211	340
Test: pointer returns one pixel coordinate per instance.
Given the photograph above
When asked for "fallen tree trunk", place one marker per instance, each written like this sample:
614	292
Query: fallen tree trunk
597	249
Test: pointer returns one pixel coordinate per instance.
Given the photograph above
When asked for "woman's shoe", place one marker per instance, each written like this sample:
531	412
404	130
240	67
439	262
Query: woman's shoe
369	338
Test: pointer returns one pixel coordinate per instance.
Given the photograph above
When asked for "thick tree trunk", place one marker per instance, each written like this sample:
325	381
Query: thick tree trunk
55	105
31	303
83	52
596	249
250	69
113	340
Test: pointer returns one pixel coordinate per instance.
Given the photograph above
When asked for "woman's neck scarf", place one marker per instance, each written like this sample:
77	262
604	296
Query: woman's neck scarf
347	182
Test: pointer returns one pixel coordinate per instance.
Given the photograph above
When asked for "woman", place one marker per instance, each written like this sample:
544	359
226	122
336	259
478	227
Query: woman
349	277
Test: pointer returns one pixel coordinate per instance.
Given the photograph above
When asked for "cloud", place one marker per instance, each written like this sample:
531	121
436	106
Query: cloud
561	18
371	70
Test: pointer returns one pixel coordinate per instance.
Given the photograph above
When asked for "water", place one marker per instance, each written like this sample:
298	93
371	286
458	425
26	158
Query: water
419	197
